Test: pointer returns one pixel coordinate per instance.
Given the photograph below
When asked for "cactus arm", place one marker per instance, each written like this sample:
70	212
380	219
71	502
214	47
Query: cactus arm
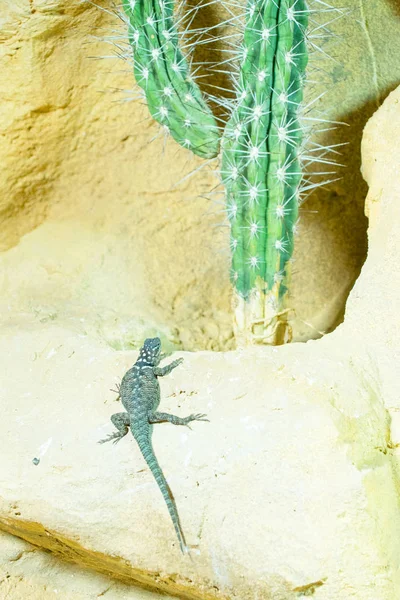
162	71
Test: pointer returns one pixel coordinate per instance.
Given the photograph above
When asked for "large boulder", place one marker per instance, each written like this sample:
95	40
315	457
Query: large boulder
290	489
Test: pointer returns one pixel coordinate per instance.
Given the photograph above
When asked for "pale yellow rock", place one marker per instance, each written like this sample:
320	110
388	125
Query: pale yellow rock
292	486
89	206
291	490
295	485
29	573
271	492
105	233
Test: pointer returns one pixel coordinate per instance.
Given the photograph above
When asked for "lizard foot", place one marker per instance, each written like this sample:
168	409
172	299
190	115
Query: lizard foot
112	437
195	417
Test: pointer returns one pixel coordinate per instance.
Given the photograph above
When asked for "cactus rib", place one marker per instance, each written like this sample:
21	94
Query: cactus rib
162	71
260	159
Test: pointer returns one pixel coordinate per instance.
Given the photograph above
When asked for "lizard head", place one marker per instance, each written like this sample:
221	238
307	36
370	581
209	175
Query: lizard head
151	351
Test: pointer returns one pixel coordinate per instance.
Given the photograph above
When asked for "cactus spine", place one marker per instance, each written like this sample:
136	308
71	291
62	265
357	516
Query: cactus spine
162	71
262	144
260	164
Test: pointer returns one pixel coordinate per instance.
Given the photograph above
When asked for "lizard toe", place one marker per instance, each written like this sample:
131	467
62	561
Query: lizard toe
200	417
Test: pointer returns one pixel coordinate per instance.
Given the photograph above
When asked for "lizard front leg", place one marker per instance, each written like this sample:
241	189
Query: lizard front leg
161	371
159	417
121	421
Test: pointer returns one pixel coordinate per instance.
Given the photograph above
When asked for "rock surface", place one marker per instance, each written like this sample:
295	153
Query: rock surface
289	491
29	573
252	486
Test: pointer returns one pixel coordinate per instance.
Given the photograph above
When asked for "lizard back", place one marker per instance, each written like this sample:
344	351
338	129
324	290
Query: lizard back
140	395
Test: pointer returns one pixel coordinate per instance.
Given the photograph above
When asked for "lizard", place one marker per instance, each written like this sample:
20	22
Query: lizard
139	392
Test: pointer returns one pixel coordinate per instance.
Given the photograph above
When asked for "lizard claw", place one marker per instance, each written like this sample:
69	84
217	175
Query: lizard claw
197	417
201	417
112	437
107	439
117	391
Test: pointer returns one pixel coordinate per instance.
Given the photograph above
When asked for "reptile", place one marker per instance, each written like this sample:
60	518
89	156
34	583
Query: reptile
139	392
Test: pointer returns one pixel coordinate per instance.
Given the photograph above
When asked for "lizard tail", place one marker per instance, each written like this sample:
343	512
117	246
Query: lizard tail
149	456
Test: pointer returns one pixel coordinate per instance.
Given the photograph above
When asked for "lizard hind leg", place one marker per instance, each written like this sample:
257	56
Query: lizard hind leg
159	417
121	421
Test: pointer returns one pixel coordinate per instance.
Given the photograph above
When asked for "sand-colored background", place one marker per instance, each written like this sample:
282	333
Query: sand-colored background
94	231
291	490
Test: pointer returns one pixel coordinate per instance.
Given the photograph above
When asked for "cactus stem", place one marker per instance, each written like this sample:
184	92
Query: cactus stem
266	142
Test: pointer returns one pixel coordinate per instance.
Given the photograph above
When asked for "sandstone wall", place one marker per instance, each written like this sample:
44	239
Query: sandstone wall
95	234
291	490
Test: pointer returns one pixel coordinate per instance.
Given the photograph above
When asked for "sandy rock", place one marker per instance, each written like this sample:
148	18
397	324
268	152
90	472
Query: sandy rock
291	490
372	310
275	493
27	572
104	235
78	171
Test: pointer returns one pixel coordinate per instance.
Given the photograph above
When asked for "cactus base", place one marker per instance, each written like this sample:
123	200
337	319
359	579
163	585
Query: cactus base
259	321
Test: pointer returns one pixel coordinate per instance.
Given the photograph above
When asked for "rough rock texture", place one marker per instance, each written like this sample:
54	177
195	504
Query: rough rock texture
270	494
291	490
99	238
27	572
109	245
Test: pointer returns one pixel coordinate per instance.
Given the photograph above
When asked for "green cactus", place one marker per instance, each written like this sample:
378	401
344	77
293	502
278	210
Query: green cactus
260	161
162	71
262	144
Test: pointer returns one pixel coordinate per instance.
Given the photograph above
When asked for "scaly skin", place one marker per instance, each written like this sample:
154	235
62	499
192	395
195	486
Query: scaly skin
140	395
162	71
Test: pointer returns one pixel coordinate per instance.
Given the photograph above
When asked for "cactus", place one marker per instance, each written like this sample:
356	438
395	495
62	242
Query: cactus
260	162
162	71
262	144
